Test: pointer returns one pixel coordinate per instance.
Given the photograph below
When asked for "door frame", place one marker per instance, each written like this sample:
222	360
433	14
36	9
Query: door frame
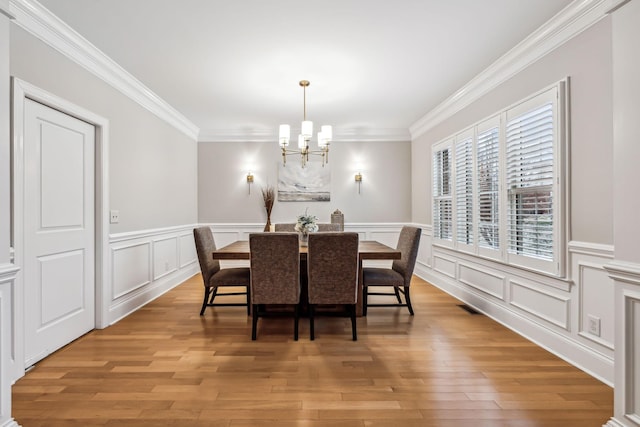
20	91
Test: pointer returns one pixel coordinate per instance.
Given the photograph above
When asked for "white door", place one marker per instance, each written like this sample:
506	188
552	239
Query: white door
58	230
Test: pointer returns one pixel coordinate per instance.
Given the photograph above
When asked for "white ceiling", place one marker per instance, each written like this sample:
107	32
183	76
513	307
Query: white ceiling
375	66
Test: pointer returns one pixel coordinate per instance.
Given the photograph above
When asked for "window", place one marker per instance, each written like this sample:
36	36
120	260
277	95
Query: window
488	164
464	190
442	220
506	193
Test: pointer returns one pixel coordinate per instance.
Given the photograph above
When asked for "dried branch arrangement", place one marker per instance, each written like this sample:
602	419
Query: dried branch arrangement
269	197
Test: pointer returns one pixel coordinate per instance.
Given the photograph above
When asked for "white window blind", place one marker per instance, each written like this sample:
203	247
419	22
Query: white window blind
488	161
442	213
530	176
464	190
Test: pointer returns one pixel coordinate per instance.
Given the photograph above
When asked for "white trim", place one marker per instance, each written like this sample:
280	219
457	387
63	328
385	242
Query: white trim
41	23
593	249
140	234
339	135
22	90
626	272
569	22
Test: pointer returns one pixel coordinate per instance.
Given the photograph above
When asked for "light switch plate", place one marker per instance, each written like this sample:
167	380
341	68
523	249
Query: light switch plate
114	216
594	325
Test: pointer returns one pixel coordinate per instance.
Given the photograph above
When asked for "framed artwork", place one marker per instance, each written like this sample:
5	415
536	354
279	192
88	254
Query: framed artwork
309	184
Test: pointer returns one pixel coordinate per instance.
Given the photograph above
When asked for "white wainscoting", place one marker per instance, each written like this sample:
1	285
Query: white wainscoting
147	263
573	318
7	342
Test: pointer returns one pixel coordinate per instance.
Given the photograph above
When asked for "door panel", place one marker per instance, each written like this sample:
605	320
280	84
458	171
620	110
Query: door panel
58	230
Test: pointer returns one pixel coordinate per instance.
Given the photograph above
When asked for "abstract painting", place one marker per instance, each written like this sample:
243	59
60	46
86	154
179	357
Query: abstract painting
311	183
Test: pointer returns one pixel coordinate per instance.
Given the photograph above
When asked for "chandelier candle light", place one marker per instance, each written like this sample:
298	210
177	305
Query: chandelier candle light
324	136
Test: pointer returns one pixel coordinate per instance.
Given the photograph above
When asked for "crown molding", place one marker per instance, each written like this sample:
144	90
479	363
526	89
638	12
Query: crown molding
566	24
41	23
339	135
4	9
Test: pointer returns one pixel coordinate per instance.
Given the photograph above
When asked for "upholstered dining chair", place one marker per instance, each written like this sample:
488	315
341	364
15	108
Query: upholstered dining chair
214	277
332	262
284	227
398	276
275	275
322	227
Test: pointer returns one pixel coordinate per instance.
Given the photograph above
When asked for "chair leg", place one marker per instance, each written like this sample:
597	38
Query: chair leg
213	294
407	297
248	300
296	315
312	331
204	302
352	309
254	323
365	297
397	291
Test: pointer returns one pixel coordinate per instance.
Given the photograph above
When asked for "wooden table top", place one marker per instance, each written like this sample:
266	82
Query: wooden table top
367	249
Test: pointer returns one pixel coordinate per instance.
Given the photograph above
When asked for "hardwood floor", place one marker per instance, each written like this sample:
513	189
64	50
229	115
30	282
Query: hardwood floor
165	365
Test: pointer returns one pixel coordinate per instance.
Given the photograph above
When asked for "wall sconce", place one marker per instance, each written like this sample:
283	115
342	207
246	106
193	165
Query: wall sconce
359	180
249	180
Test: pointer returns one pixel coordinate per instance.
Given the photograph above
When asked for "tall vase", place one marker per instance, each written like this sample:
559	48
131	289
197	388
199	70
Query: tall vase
304	238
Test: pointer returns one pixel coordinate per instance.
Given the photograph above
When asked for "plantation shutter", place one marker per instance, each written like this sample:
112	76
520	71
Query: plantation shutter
442	214
464	190
488	176
530	177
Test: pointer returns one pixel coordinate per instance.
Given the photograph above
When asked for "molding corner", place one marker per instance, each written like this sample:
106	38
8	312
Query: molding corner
566	24
41	23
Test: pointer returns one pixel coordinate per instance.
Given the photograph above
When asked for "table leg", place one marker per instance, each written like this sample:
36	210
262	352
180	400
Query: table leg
360	287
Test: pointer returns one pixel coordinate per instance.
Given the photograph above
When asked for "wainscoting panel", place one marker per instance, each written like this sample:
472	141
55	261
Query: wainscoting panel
544	305
7	351
186	250
165	257
444	265
485	281
131	268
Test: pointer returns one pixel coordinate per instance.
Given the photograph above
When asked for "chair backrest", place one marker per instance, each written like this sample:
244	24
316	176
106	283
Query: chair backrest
290	227
275	268
332	267
328	227
205	245
408	244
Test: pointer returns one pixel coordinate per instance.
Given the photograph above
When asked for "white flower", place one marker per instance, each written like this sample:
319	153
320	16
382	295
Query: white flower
306	223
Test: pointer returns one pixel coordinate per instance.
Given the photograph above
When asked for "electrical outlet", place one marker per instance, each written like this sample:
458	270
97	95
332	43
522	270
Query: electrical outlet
114	217
594	325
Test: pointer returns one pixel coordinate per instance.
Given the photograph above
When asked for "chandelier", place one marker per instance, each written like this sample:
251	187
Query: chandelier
324	136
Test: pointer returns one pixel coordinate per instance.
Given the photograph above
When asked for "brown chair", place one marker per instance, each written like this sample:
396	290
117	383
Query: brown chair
332	261
398	276
275	275
322	227
285	227
214	277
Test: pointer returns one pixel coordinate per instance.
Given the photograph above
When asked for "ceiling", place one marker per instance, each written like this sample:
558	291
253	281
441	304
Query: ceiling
375	66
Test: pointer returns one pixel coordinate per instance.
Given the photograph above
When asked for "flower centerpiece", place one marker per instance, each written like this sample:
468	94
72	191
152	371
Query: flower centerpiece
306	224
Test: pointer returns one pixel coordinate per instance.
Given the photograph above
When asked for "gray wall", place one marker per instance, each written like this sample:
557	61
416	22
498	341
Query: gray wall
385	193
152	166
586	59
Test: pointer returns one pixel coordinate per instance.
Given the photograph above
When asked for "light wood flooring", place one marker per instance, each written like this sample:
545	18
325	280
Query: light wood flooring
165	365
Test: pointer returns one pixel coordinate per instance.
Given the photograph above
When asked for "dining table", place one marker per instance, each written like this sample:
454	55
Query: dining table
367	250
